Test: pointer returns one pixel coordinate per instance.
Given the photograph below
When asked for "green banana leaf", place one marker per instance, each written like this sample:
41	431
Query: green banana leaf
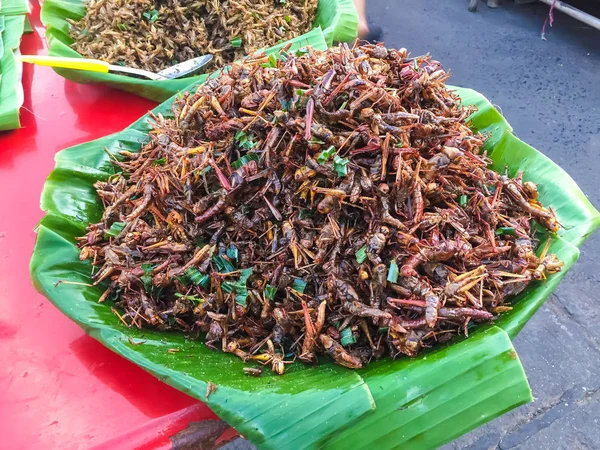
11	91
416	403
337	20
1	42
13	7
27	28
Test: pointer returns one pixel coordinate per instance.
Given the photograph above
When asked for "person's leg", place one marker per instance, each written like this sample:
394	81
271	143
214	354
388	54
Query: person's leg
363	26
371	34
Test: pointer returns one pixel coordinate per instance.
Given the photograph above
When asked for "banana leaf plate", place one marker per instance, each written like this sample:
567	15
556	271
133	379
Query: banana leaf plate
416	403
11	90
27	28
337	19
14	7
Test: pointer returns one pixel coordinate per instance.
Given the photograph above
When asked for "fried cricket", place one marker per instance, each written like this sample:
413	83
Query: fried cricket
337	204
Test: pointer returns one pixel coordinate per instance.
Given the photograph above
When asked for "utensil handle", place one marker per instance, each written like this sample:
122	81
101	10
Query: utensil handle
93	65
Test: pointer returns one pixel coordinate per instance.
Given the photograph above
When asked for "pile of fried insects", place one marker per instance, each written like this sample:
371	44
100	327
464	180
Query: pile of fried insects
155	34
328	203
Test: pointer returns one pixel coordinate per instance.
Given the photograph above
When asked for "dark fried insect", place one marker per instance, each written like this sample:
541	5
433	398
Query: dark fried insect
253	371
380	233
155	34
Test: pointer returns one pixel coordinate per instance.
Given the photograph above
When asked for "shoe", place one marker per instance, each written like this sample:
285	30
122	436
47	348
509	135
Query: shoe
375	34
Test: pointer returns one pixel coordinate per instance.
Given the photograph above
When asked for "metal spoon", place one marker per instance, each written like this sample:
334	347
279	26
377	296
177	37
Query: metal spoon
186	68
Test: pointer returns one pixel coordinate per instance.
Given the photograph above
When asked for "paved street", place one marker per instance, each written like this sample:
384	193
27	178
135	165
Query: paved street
549	91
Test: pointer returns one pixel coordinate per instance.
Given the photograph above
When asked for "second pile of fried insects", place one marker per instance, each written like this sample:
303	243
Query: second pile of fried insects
155	34
332	203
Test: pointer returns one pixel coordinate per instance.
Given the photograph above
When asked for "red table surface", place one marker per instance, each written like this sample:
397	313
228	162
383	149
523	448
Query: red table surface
59	388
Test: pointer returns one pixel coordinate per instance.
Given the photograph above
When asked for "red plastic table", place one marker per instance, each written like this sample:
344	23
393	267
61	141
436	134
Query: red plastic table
60	388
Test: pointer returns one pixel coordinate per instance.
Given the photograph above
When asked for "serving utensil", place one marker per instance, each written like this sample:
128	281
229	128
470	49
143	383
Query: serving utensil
185	68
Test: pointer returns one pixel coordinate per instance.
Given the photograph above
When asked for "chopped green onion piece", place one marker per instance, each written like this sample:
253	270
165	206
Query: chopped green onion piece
462	200
240	299
227	286
383	330
191	298
393	272
285	104
347	337
272	62
232	252
339	165
245	160
325	155
123	26
505	231
302	51
299	285
245	274
160	162
147	277
152	16
304	212
183	279
288	19
205	280
223	264
269	292
115	229
361	254
199	279
244	141
239	286
236	42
